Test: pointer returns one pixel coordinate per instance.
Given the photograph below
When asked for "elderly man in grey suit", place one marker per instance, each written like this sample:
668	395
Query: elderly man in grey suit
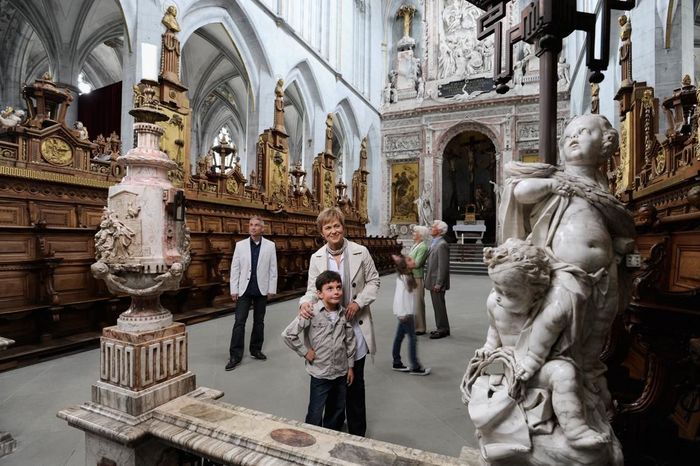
253	279
437	277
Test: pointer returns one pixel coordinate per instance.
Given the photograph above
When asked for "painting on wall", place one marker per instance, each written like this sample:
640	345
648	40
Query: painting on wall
404	192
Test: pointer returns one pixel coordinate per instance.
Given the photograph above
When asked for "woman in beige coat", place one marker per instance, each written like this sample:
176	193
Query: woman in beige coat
360	287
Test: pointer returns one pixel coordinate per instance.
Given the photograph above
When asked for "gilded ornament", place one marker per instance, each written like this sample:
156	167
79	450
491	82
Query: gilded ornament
231	186
328	189
56	152
660	163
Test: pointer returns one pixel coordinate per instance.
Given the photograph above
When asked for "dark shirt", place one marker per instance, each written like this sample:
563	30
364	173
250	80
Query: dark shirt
252	289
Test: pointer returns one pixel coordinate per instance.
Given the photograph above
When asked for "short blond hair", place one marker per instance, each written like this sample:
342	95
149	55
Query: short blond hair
328	215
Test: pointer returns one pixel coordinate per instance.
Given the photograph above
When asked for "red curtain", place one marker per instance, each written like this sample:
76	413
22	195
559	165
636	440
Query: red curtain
100	110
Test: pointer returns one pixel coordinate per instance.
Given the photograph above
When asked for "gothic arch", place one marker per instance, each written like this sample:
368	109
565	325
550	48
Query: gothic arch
244	36
308	86
350	129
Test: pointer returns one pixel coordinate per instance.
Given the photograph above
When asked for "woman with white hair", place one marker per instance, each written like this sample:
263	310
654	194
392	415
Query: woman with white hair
419	253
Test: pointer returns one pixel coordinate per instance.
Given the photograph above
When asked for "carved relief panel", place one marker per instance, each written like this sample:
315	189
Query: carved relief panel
460	54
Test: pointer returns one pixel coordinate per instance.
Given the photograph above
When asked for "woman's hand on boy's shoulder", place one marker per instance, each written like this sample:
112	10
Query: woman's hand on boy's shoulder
310	355
306	310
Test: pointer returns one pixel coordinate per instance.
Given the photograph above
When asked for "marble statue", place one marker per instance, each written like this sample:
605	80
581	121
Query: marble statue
420	88
425	209
559	280
9	118
82	130
563	71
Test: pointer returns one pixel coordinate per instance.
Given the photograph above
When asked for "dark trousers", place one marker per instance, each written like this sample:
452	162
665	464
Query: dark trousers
355	401
327	402
441	321
406	328
238	335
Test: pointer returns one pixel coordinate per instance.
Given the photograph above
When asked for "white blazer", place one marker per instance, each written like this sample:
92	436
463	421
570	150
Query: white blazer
266	270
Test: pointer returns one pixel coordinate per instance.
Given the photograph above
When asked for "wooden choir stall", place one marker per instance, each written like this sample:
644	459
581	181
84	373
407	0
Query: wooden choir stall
53	187
654	350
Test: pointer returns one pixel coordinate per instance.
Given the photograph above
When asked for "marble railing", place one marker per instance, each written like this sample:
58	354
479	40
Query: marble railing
198	426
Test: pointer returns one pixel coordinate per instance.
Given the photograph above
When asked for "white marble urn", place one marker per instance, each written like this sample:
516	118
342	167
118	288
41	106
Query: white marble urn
142	249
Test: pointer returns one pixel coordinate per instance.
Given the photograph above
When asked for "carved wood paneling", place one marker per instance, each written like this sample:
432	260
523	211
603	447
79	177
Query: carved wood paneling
13	214
17	289
17	248
685	274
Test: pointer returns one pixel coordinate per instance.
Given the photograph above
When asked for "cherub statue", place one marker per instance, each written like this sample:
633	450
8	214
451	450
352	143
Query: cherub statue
526	321
9	118
82	130
569	212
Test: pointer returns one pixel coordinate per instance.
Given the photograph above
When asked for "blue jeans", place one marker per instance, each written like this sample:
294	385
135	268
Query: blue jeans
407	328
327	402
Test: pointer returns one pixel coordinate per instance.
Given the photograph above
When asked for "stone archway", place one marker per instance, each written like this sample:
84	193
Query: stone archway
469	169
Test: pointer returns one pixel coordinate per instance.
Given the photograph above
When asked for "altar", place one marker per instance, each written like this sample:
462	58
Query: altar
469	231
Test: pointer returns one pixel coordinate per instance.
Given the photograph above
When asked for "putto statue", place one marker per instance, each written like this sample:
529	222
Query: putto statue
9	118
82	130
559	281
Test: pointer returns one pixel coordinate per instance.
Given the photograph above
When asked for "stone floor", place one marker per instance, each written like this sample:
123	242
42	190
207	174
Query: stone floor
420	412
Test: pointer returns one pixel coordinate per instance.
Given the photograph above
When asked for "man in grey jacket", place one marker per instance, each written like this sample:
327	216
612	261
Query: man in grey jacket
437	277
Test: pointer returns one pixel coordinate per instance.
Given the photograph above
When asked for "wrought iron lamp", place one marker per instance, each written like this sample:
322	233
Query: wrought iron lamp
224	155
545	23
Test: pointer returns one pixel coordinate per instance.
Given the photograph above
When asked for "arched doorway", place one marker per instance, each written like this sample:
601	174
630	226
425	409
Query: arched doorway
468	171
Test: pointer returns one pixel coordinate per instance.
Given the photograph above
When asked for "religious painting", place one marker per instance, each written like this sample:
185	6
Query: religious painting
404	192
530	157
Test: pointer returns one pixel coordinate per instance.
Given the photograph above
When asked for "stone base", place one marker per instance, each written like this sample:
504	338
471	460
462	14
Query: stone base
139	360
7	444
105	452
136	403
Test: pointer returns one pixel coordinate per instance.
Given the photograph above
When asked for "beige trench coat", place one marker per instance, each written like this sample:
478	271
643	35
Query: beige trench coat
365	285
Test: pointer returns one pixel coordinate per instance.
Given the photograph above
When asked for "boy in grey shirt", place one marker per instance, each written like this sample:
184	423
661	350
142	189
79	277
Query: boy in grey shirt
328	346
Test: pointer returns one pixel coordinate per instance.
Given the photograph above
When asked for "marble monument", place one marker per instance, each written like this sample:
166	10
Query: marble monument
536	390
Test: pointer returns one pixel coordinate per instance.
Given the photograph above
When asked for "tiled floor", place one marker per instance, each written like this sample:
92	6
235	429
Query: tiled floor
420	412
